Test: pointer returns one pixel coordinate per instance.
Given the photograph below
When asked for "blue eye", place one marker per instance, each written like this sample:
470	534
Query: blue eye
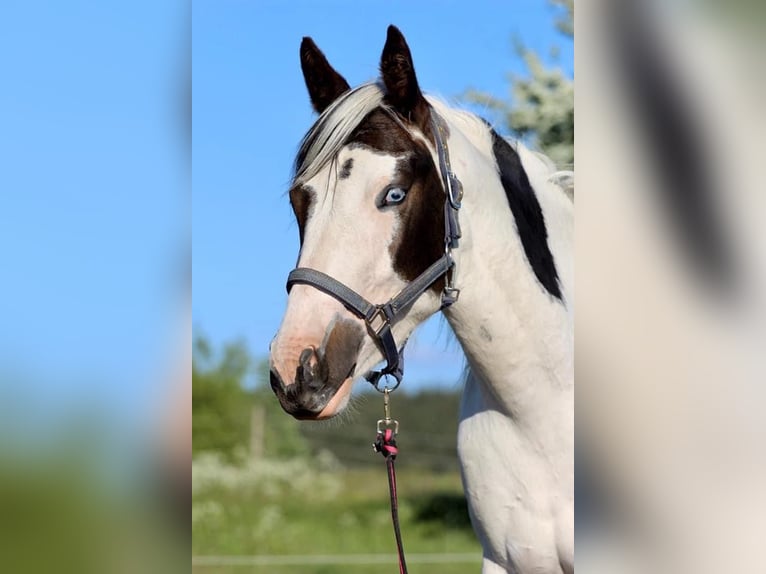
395	195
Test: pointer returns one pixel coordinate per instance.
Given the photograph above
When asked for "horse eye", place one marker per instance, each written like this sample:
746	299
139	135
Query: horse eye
395	195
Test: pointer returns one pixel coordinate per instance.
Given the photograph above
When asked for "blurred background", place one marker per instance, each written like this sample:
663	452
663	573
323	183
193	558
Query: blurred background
671	261
271	494
95	286
98	349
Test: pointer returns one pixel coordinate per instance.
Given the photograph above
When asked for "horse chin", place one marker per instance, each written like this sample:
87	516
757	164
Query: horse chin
338	403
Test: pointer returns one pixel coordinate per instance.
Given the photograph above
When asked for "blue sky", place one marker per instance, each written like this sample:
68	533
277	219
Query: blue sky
94	203
251	109
95	209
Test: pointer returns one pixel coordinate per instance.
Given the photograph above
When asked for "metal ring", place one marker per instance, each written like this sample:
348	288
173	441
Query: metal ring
386	388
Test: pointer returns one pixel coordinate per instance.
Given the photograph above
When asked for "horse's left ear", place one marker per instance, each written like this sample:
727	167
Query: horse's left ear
398	73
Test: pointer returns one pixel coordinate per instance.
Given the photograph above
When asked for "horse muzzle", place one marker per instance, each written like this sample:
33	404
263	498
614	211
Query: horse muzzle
319	374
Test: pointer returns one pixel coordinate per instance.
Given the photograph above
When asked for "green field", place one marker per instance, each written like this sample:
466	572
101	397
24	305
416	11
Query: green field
295	508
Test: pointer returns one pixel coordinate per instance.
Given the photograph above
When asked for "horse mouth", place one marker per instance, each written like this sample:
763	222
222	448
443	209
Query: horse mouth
337	402
313	398
332	406
316	383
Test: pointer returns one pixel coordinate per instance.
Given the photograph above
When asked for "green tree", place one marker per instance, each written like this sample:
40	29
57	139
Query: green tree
541	106
429	421
565	21
233	405
220	404
282	437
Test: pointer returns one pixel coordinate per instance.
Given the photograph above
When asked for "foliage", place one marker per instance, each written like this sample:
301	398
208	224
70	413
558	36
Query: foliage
233	405
565	23
427	438
63	512
317	488
449	508
220	404
282	436
295	507
223	408
541	106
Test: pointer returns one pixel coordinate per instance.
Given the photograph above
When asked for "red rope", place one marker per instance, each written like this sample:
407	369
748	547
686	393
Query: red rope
386	445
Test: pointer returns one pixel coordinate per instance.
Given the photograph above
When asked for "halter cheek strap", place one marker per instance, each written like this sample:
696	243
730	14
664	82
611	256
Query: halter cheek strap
380	319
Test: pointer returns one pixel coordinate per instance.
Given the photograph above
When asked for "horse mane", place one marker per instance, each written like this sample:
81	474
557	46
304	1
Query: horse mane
562	179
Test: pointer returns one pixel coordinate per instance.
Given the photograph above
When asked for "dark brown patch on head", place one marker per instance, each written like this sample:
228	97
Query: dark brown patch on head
341	350
300	199
380	132
345	171
420	239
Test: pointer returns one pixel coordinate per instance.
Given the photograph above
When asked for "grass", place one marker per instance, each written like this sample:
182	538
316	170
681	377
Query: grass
294	508
343	569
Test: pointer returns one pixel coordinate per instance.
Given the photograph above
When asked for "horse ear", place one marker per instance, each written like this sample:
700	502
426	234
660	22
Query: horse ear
398	74
323	82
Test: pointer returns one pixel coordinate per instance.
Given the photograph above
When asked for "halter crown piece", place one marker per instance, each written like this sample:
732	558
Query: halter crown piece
380	318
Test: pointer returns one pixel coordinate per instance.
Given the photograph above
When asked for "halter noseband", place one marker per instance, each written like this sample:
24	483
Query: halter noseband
380	318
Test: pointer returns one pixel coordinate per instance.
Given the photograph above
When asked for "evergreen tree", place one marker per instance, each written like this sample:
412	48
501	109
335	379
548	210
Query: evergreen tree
541	106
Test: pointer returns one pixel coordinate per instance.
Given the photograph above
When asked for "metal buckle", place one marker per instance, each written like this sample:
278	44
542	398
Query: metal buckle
381	315
449	296
384	424
387	421
450	293
454	191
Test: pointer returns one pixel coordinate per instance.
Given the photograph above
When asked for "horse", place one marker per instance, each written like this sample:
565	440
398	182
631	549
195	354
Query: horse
400	198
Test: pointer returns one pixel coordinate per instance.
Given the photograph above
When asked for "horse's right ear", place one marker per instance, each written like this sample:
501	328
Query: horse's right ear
323	82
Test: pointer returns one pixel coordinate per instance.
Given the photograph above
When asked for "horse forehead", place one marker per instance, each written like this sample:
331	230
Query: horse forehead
359	163
356	169
349	212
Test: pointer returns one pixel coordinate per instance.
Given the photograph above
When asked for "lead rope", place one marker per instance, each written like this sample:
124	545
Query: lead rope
385	444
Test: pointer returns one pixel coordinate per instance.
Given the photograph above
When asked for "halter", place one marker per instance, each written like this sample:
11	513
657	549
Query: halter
380	319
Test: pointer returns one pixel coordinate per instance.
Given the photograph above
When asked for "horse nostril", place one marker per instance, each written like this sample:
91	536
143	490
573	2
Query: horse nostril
311	369
306	357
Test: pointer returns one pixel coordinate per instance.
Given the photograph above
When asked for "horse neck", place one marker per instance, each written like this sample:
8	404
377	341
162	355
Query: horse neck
516	336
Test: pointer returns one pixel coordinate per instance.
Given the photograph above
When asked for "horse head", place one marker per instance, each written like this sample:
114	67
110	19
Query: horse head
369	201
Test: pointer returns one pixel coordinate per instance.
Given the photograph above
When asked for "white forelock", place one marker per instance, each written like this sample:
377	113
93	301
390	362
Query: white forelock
333	128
